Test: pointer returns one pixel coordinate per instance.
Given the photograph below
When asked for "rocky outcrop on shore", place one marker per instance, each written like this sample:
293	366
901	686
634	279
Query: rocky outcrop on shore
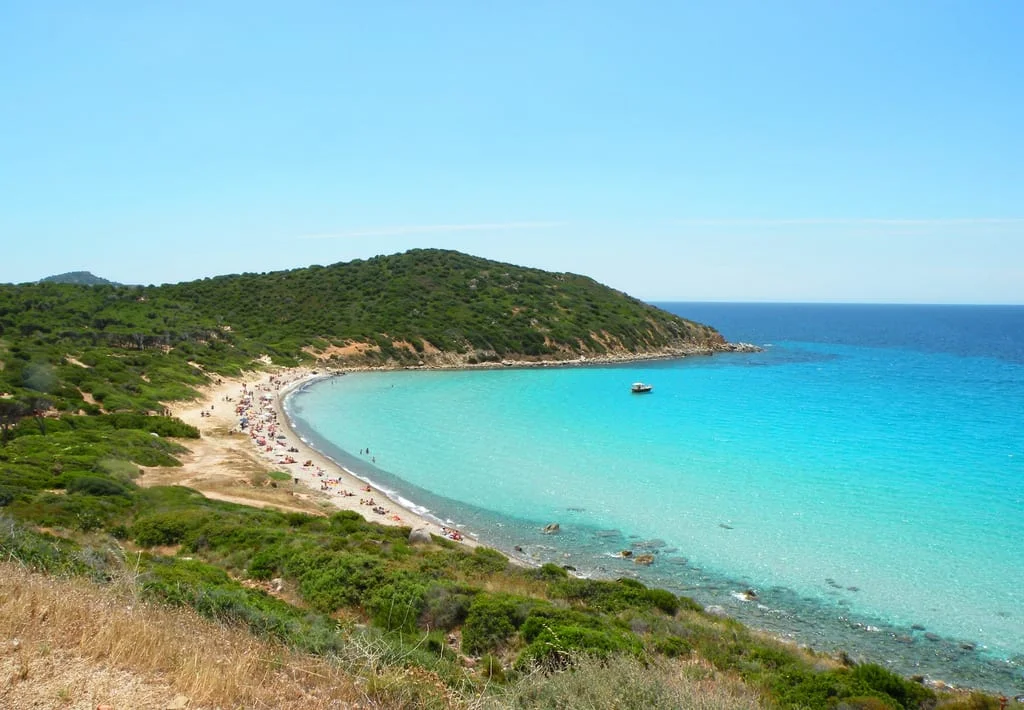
353	358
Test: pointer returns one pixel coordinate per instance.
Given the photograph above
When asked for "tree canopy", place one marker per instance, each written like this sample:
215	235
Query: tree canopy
108	347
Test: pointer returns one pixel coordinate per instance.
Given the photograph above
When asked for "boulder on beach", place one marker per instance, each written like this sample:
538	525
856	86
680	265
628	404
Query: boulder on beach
551	528
420	536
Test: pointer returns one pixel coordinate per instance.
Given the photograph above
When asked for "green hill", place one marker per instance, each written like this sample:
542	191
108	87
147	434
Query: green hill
83	278
408	307
133	347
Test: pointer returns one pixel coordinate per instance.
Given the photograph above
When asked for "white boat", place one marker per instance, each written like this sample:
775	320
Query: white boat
641	388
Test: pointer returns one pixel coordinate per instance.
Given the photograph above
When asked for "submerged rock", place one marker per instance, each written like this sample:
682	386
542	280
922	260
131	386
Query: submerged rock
646	559
551	528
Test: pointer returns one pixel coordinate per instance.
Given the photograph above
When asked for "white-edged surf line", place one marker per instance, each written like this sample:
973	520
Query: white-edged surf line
388	490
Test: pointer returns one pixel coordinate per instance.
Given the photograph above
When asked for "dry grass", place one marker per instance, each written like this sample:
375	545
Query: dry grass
72	644
625	682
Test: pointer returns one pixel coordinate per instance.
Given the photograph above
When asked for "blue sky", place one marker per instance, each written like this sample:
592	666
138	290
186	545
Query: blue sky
793	151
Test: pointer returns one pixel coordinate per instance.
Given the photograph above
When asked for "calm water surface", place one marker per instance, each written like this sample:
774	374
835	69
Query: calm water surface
865	473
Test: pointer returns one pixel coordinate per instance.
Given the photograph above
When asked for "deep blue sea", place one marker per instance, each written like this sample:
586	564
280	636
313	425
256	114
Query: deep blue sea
864	474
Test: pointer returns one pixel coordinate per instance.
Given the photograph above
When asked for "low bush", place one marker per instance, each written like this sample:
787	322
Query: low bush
334	580
484	561
165	528
95	486
492	620
40	552
672	647
445	605
549	572
398	604
614	596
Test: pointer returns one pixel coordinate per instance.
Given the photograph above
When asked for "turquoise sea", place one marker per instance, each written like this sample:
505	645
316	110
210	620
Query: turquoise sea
864	474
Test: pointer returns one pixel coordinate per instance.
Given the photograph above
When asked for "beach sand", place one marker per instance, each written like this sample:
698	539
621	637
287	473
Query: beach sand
228	464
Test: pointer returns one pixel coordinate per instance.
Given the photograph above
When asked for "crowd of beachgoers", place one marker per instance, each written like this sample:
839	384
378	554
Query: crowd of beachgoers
258	413
260	419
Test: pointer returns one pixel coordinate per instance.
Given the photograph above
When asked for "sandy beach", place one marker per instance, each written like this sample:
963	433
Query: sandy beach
232	461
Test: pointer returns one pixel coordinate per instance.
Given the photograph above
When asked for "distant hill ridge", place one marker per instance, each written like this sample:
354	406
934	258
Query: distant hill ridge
444	308
425	307
82	278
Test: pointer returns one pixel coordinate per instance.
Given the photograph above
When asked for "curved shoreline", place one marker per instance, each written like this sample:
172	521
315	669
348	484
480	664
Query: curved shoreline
893	631
223	444
416	519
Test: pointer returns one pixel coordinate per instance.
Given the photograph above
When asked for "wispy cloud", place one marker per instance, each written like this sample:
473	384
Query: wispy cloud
432	228
854	221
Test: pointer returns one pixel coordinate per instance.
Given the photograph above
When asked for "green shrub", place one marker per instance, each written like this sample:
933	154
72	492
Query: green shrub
491	668
398	604
491	621
41	552
95	486
549	572
614	596
868	703
907	693
555	645
70	512
165	528
445	606
672	647
664	600
339	580
8	494
542	617
484	561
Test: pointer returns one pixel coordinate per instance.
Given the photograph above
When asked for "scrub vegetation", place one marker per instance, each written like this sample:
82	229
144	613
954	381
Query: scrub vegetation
307	610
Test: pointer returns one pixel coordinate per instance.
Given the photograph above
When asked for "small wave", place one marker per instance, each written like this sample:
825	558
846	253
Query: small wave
744	596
